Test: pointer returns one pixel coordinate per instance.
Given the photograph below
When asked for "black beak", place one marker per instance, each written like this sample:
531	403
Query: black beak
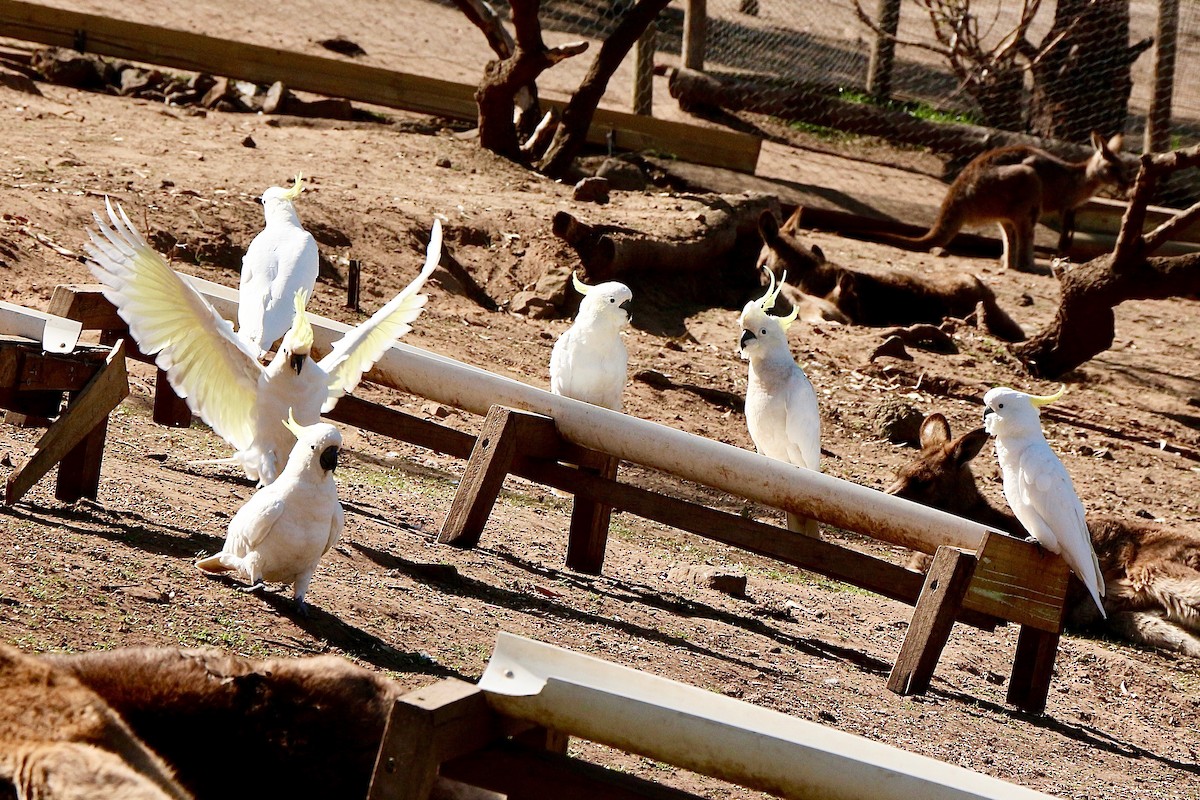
297	362
746	337
329	457
986	411
625	307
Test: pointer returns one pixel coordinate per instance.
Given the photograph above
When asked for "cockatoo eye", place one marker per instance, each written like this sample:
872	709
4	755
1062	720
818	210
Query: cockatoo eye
1000	405
612	299
763	332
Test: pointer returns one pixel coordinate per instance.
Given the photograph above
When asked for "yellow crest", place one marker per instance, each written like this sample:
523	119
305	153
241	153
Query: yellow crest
1046	399
301	335
579	285
296	188
291	424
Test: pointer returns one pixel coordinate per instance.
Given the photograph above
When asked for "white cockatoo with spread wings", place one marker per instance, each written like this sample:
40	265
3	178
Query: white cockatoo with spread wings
215	371
281	260
283	530
781	405
1036	484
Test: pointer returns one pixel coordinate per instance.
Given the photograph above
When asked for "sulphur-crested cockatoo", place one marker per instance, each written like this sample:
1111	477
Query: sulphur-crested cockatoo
1036	484
589	361
781	406
281	260
284	529
215	371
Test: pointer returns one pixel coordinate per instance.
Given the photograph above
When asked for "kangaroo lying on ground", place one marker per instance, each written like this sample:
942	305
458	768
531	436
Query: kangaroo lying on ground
889	298
1014	186
1151	572
148	723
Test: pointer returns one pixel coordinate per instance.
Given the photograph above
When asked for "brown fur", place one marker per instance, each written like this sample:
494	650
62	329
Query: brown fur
83	725
58	739
1151	572
887	298
1014	186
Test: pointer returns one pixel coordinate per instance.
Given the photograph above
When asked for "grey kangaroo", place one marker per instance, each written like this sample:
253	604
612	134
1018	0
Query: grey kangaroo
1151	572
1014	186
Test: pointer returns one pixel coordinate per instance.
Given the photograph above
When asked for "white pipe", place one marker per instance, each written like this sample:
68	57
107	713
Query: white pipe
733	469
715	735
56	334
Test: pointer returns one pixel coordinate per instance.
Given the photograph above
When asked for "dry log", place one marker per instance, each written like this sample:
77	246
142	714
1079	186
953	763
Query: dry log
608	251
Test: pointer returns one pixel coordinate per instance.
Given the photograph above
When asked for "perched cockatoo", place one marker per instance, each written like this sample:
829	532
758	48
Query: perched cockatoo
281	260
284	529
215	371
781	406
589	361
1036	484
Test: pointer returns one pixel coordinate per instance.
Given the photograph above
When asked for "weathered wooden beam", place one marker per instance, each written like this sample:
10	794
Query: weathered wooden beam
153	44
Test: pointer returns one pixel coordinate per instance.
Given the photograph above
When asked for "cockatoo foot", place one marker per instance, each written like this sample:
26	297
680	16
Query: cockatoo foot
257	587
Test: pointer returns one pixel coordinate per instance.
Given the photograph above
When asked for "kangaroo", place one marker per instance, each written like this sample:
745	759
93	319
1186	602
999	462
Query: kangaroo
888	298
1151	572
1014	186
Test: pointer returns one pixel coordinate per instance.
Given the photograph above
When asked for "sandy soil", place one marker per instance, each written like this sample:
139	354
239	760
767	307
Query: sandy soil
1121	722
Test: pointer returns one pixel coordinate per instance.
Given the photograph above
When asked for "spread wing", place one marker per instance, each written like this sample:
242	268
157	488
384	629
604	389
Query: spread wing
358	350
803	422
207	364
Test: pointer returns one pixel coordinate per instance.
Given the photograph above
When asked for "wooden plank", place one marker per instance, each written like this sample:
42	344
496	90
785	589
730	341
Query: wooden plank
86	411
86	304
79	470
427	726
932	620
170	409
1017	580
397	424
49	372
502	435
337	78
517	771
1033	667
587	537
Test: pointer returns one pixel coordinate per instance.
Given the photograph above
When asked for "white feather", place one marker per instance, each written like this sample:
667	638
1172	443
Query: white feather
281	260
589	361
284	529
223	381
1038	488
782	415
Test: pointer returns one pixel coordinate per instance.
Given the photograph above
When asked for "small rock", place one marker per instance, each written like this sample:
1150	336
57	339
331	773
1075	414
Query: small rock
216	93
892	347
592	190
443	162
145	594
340	44
6	460
1026	299
827	716
249	142
622	175
723	580
277	99
1143	513
897	421
532	305
434	409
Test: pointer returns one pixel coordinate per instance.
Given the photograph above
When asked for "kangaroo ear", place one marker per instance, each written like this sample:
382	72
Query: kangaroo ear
968	446
768	226
819	254
1097	140
935	431
1114	144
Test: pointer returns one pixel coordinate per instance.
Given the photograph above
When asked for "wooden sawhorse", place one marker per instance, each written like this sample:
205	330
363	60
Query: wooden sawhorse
1007	579
32	384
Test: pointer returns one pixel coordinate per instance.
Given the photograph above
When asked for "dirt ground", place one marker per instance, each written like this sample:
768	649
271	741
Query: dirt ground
1122	722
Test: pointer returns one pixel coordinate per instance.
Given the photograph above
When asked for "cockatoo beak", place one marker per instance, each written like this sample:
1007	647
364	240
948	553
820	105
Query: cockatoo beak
747	336
297	361
329	458
626	307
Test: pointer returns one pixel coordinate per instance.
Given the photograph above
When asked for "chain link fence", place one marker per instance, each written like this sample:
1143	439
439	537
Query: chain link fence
943	74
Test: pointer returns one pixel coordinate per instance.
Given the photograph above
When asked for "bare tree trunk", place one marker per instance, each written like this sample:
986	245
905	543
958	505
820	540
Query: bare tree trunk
1081	76
1083	326
484	16
504	78
577	116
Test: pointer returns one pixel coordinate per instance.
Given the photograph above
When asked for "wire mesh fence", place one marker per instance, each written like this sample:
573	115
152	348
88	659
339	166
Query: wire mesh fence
917	71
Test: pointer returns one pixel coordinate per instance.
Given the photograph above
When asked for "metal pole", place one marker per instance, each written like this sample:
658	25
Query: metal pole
732	469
